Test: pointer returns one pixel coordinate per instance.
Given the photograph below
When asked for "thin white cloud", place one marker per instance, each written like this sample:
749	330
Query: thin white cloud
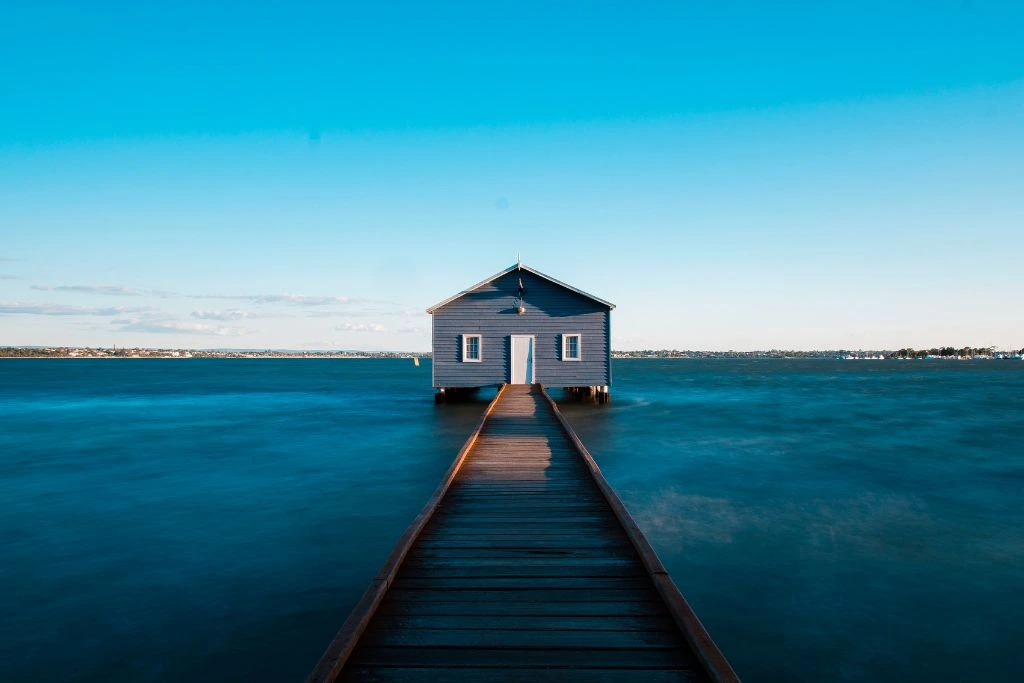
179	327
325	344
411	330
362	314
8	277
224	316
16	308
361	327
105	290
123	290
290	299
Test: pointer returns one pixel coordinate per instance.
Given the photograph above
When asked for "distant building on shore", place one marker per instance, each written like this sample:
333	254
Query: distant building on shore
521	326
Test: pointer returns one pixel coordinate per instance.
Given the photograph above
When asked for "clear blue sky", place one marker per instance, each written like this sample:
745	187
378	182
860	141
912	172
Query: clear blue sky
732	175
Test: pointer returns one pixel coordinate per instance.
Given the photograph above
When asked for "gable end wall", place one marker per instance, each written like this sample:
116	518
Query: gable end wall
551	311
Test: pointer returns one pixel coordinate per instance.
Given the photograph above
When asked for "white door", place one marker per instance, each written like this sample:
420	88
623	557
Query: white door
522	359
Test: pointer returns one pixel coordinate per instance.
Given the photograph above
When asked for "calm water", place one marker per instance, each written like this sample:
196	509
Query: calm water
217	519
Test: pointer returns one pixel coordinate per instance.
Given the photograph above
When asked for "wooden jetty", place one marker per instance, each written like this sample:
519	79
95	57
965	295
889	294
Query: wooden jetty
523	566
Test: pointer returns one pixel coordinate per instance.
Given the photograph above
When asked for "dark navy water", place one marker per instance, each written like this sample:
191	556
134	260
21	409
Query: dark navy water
217	519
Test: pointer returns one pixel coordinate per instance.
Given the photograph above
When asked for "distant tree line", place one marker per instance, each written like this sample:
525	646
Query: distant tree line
59	351
21	352
946	352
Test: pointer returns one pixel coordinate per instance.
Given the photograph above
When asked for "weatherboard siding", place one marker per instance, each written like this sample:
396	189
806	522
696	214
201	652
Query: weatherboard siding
551	311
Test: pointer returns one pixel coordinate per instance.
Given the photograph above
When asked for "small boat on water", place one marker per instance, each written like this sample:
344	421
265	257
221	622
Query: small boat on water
416	361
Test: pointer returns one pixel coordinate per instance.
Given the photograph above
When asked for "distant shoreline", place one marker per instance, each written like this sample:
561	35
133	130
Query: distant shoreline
72	352
163	354
232	357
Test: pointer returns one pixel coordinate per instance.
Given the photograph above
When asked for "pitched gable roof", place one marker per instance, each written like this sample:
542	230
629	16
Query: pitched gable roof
513	267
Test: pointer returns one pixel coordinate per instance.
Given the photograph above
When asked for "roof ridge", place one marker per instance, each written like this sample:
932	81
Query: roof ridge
519	266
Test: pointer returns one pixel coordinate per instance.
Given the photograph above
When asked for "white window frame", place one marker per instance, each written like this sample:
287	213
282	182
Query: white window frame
579	347
479	348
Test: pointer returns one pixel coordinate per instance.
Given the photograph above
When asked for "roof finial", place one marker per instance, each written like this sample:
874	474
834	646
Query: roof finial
519	261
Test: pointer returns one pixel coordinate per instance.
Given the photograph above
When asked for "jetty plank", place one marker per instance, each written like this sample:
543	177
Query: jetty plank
523	566
530	622
494	658
520	675
520	608
546	584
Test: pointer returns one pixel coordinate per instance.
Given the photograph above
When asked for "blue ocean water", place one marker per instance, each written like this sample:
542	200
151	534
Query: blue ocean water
216	519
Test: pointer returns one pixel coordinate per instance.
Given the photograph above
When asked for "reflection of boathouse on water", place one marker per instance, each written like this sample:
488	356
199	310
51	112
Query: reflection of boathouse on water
521	326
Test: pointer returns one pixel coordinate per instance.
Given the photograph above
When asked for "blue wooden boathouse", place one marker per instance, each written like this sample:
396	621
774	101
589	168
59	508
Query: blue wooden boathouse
521	326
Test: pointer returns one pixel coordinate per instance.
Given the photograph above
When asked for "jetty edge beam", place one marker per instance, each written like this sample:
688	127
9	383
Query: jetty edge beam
715	663
334	658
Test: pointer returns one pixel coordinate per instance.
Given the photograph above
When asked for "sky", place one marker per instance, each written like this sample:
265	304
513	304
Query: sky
732	175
